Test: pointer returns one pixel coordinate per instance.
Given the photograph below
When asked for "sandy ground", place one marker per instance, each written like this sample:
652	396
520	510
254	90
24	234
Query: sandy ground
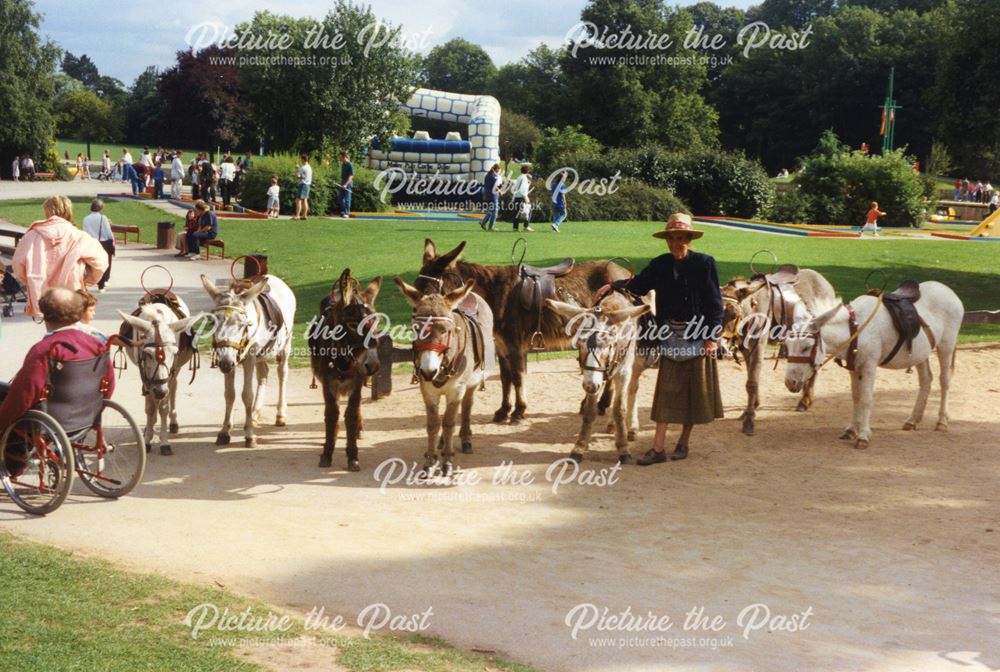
891	552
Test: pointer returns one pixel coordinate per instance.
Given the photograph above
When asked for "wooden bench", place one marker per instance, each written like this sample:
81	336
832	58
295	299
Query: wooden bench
207	245
124	229
45	176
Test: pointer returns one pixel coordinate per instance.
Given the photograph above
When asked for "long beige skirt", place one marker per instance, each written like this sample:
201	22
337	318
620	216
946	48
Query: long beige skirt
687	393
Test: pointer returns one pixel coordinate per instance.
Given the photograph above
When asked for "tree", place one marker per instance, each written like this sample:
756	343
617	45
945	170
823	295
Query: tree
711	20
518	134
141	109
203	101
81	69
558	143
27	83
534	86
84	116
458	66
337	105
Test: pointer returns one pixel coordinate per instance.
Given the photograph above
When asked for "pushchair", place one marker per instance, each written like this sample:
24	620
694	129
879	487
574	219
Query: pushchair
107	175
11	291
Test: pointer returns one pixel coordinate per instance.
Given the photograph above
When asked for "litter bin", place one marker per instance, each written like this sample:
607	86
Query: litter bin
165	236
254	265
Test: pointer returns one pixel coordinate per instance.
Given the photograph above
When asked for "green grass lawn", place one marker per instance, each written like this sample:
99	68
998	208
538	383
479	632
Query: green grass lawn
62	612
75	147
311	255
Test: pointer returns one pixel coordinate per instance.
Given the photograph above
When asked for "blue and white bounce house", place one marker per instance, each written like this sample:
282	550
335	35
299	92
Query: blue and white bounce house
452	158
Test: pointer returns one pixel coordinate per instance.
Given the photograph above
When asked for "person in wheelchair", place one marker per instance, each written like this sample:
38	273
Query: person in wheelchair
64	341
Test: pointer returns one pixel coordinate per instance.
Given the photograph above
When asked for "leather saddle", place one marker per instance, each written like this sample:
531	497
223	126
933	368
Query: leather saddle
537	284
904	316
168	299
786	274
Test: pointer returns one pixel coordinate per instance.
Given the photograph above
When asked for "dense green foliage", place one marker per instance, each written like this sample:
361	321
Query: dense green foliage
619	201
283	166
459	66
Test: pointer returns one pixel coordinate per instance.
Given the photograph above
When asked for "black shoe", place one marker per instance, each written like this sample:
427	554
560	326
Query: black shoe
652	456
680	453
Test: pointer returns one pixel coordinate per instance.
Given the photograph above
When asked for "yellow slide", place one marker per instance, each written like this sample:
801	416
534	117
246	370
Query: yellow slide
989	228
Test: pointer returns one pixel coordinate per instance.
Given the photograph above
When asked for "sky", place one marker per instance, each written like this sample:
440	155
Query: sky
122	38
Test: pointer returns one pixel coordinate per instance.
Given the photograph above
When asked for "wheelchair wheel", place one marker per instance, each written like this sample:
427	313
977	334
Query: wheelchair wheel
36	463
111	457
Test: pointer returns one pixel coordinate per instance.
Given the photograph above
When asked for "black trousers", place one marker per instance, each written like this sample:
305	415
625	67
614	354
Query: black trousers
109	247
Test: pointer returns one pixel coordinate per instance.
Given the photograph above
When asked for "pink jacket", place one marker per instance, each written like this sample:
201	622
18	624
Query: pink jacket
54	253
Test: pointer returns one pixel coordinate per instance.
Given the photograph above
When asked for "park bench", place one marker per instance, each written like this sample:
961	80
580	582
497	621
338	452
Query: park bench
45	176
207	245
124	229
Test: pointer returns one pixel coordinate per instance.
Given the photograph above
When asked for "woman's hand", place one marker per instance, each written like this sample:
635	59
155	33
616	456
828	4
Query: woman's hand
711	347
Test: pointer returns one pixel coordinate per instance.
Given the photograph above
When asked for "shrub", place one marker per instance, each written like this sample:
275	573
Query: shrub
710	182
631	201
51	163
364	196
257	180
550	151
788	206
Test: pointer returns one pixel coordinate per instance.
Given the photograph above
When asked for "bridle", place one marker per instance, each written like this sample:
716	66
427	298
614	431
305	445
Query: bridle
241	346
616	357
850	345
334	362
159	352
450	364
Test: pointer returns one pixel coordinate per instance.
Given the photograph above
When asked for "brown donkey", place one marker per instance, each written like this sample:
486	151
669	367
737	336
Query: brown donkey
343	353
516	294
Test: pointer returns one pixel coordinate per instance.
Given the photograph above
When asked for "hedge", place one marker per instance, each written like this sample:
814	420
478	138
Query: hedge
631	201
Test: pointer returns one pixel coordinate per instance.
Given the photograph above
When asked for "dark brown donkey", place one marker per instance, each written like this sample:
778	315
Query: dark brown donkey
343	352
517	294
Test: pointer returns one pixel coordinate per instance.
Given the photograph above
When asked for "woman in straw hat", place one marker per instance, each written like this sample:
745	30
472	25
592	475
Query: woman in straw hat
687	298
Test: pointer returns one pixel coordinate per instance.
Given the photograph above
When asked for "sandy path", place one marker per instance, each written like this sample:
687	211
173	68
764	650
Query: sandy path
894	549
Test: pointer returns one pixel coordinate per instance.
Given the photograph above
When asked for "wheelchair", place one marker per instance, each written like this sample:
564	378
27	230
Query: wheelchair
73	428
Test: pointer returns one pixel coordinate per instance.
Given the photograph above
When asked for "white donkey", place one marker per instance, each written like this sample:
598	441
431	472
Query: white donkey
812	342
253	321
605	337
154	347
453	353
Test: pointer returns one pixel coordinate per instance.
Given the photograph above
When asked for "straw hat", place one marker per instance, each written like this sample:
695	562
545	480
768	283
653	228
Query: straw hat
679	223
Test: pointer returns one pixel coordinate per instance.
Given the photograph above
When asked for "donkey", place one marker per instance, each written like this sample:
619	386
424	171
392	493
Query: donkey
516	328
253	321
453	352
605	337
758	312
343	353
151	342
878	342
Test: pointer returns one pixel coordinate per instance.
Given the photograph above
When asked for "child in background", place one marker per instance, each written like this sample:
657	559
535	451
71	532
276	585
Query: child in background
89	310
158	180
273	202
871	220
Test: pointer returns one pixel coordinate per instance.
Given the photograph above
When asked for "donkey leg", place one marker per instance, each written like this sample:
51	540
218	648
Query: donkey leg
925	377
147	431
164	411
452	404
519	369
172	385
586	428
249	440
633	407
433	430
806	401
353	421
501	413
946	360
866	385
754	365
259	392
282	366
605	401
230	380
465	434
618	413
331	417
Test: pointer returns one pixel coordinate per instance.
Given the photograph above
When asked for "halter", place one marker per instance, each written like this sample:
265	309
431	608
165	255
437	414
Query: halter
851	344
611	367
243	345
159	349
342	372
449	365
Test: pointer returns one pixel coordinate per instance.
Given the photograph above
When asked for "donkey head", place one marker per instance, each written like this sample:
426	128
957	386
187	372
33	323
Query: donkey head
346	332
435	341
738	303
435	270
604	335
237	320
154	347
806	352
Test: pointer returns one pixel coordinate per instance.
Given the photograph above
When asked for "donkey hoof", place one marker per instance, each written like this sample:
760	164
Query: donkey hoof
446	469
429	469
250	442
862	444
222	440
941	427
802	406
576	457
166	450
173	428
625	458
279	421
909	426
748	427
353	465
325	461
500	415
631	436
517	415
466	447
849	435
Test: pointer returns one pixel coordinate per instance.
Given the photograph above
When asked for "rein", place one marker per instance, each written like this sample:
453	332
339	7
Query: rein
850	344
243	345
449	365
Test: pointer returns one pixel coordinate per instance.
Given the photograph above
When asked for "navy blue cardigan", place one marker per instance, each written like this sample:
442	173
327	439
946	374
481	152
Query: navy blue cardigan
693	293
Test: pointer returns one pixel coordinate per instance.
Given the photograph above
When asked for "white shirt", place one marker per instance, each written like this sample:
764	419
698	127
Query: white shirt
273	191
521	185
227	171
147	159
106	163
305	174
176	169
17	167
98	227
127	158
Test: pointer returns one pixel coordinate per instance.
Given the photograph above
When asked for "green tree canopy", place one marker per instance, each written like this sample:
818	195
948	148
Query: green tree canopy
459	66
84	116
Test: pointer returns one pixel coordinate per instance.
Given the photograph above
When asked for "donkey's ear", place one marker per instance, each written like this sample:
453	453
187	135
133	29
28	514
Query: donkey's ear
254	291
430	250
566	310
136	322
346	286
446	260
410	293
632	312
183	324
456	296
827	316
371	291
213	291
